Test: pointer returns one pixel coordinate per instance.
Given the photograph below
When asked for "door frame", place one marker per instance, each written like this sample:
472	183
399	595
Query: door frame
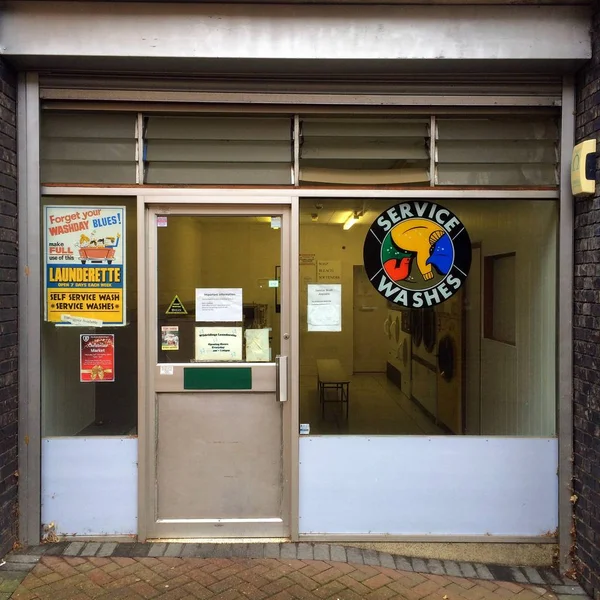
216	205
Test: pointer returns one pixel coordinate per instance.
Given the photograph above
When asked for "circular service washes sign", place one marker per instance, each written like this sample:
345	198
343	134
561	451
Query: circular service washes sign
417	254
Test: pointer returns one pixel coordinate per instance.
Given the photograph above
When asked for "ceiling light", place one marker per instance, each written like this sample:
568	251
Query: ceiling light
352	219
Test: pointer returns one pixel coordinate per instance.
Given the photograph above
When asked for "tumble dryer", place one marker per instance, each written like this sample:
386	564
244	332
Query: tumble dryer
399	350
424	369
450	363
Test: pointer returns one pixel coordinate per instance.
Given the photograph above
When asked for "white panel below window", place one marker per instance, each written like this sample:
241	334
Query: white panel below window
89	485
460	486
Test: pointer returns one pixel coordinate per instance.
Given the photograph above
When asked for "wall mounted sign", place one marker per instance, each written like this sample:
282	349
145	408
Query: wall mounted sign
329	271
84	275
97	357
417	254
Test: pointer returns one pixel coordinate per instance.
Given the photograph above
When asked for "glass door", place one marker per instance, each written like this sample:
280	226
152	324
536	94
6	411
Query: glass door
218	409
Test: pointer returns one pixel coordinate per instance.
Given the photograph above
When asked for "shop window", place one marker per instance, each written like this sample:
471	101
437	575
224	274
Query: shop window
497	151
89	326
346	151
218	150
86	147
500	298
431	371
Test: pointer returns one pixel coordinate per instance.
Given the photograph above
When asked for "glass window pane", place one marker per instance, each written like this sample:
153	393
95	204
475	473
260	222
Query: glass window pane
218	288
430	371
87	147
355	151
503	151
105	403
218	150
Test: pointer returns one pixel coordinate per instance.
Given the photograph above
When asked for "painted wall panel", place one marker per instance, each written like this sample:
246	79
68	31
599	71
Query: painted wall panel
89	485
219	30
428	485
518	395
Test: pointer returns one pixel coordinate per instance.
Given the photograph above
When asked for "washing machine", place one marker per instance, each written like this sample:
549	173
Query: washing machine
449	362
399	349
423	363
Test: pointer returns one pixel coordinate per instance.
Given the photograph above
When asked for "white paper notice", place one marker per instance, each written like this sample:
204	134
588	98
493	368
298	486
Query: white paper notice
324	307
219	304
218	343
257	345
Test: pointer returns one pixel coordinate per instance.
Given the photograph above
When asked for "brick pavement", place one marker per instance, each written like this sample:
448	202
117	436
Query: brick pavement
165	577
284	571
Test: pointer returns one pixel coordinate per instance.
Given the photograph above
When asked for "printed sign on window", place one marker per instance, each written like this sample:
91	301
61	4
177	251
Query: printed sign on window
218	343
97	357
84	255
324	307
219	304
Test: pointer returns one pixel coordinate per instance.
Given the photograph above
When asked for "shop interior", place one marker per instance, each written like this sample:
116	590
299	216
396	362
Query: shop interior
481	363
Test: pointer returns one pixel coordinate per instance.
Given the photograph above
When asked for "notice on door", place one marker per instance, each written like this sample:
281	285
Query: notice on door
218	344
257	345
219	304
324	311
84	271
169	336
97	357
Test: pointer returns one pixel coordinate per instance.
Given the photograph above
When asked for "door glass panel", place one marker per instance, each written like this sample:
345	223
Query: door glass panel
219	288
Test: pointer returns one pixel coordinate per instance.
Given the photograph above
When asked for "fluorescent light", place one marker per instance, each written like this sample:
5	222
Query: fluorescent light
353	218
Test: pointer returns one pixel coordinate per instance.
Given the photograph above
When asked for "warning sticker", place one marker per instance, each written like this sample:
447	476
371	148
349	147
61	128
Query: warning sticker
176	307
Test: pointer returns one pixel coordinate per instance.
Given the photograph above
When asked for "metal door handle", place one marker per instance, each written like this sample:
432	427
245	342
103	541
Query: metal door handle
281	380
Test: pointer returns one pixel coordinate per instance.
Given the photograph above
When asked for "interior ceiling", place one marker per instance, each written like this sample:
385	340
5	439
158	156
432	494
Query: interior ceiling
336	212
329	212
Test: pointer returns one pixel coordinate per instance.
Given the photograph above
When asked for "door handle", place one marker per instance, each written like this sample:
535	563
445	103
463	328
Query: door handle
281	378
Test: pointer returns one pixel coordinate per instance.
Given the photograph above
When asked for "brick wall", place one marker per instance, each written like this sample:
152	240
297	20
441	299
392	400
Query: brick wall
586	334
8	310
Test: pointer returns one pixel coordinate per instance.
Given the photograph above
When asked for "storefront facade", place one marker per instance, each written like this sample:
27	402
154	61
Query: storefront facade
212	359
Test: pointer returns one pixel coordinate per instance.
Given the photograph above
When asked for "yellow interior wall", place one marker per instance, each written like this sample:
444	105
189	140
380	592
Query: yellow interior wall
217	252
329	242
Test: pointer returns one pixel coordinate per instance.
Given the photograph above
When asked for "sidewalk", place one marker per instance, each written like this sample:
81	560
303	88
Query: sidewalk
80	571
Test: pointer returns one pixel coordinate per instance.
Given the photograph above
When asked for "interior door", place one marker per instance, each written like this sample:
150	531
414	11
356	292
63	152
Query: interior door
218	415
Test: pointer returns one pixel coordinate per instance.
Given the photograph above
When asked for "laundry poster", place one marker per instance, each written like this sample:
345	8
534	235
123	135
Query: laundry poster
84	256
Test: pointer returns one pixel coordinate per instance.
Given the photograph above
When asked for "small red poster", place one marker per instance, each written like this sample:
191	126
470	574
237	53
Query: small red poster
97	357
